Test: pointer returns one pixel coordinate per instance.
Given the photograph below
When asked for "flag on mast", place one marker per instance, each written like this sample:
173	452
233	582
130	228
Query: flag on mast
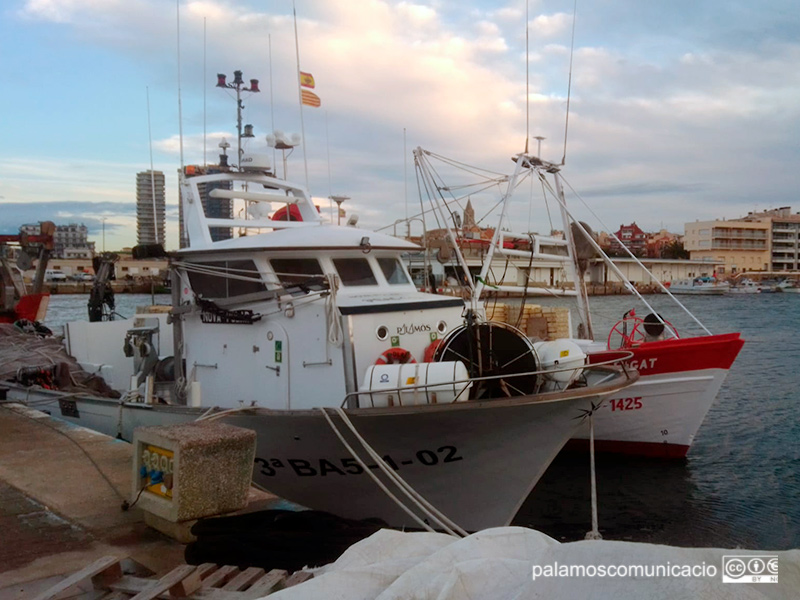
310	98
306	80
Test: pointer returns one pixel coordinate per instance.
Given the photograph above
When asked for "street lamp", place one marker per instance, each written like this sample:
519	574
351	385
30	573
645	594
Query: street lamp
339	200
283	142
103	219
539	139
238	85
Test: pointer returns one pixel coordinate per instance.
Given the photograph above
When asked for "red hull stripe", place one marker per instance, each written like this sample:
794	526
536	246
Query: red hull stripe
26	308
651	449
686	354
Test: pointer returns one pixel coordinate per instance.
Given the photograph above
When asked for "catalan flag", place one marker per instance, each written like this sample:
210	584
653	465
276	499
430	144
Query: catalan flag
310	98
306	80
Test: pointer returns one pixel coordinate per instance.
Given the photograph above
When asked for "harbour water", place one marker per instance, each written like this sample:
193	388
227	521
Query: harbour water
739	485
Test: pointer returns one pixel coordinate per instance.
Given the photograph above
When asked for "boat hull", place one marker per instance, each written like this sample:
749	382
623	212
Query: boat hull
660	414
474	461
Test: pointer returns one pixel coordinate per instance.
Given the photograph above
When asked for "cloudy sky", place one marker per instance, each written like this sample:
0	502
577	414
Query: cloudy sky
680	110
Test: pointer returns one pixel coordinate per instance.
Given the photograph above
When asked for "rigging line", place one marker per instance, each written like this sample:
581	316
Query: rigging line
454	199
462	165
632	289
635	258
569	85
500	202
424	211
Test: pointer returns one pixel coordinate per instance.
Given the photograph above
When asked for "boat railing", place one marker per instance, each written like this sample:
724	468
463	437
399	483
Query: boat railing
607	358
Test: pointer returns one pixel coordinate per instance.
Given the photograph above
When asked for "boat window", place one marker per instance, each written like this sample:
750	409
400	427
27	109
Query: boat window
296	272
393	270
355	271
225	279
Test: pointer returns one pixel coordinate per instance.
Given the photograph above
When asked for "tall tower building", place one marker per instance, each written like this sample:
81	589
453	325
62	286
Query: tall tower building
217	208
150	208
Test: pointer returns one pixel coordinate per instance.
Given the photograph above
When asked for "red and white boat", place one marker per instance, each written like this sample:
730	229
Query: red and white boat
660	414
680	377
16	302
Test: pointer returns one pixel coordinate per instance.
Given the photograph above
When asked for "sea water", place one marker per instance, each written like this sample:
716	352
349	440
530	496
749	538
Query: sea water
740	483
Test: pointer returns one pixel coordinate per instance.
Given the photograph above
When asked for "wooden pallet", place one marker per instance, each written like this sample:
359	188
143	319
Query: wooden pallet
104	580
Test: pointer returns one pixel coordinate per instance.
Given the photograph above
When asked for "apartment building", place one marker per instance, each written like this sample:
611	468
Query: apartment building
737	246
785	237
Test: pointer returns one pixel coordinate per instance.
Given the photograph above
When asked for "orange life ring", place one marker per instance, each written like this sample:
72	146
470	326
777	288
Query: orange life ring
395	356
430	351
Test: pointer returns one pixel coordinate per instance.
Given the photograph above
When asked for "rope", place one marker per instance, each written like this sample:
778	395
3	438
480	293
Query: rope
374	477
81	448
332	312
426	507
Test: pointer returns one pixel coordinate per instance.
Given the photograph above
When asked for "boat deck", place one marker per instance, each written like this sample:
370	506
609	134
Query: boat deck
60	513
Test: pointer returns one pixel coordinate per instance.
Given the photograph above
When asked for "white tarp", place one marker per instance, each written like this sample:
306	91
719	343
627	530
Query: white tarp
499	563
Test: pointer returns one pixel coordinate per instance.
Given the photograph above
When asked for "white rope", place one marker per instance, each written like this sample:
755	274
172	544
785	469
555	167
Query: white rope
429	509
332	312
374	477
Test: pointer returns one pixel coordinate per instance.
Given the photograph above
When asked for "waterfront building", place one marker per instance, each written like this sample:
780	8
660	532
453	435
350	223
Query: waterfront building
737	246
150	208
69	241
784	228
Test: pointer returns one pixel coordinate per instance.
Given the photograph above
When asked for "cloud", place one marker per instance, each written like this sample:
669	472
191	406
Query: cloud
656	99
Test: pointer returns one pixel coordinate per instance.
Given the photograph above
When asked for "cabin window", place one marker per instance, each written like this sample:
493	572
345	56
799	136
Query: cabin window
294	272
225	279
393	270
355	271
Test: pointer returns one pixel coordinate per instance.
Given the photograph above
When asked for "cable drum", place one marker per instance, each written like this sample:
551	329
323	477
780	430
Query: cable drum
493	350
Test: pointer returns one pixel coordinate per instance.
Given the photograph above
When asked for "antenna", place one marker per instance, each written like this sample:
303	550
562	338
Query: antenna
569	85
205	162
300	92
152	173
180	109
527	80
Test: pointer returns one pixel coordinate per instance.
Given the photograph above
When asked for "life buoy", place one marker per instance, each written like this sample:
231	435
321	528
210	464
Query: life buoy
430	351
395	356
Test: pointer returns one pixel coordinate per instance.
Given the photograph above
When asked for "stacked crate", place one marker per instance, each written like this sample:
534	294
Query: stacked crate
557	322
540	322
496	311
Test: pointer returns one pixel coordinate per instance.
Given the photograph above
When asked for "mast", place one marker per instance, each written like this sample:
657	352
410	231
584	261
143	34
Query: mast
577	278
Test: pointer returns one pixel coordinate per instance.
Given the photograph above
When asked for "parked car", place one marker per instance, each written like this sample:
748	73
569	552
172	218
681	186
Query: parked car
54	276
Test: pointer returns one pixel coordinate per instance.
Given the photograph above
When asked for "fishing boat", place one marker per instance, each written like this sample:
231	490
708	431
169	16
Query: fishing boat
680	375
314	335
17	303
745	286
704	285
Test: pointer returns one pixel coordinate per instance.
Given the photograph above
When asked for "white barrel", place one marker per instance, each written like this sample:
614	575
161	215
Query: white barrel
561	354
398	385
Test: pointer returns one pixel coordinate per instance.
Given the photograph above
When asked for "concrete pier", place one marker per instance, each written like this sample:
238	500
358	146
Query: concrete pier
61	492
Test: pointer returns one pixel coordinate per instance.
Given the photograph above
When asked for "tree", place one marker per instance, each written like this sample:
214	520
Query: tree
674	250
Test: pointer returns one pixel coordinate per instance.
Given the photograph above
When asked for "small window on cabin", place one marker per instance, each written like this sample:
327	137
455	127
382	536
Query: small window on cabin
225	279
355	271
393	270
299	275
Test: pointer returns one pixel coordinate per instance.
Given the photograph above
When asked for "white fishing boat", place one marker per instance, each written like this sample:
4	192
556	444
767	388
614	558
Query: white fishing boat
745	286
313	335
706	286
679	376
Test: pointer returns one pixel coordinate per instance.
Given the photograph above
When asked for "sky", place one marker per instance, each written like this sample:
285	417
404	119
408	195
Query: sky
678	111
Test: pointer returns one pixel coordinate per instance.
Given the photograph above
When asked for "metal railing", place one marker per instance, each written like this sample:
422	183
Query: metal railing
619	358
